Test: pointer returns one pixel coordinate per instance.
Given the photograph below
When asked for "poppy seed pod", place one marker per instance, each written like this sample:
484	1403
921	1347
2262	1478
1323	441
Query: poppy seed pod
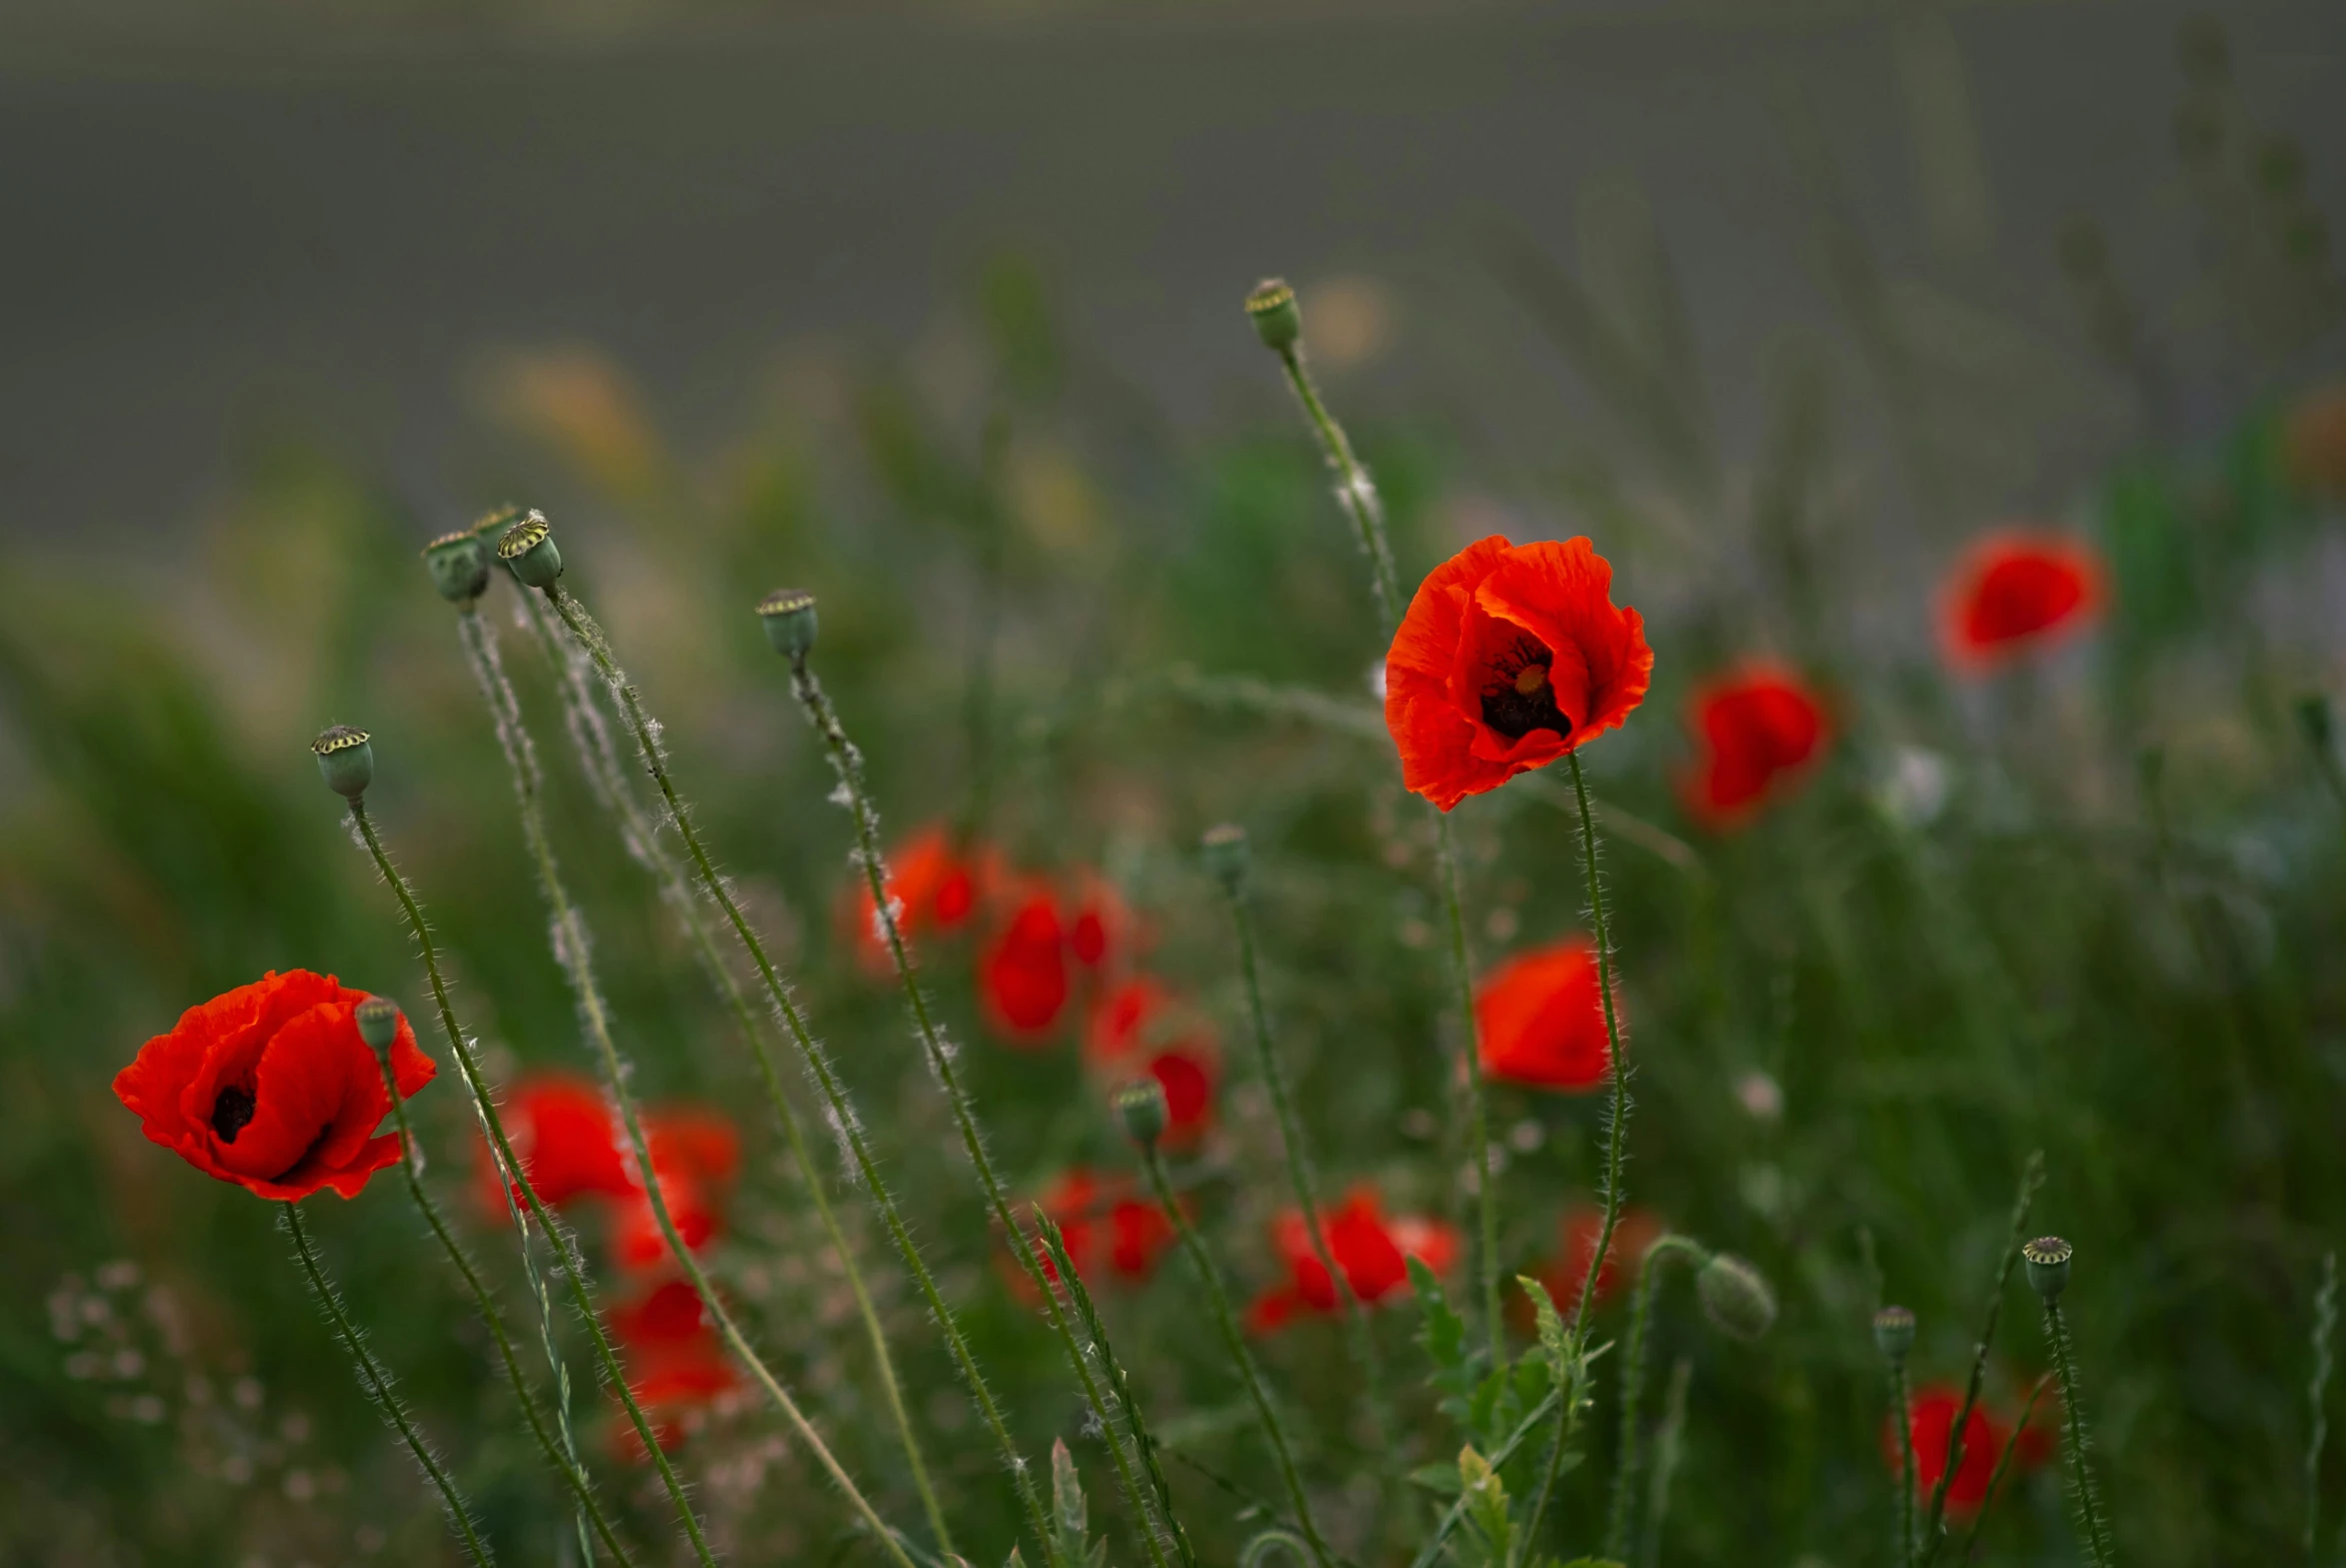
1894	1332
459	564
344	761
1736	1297
1277	320
1225	850
1141	1106
377	1022
2047	1258
527	547
789	621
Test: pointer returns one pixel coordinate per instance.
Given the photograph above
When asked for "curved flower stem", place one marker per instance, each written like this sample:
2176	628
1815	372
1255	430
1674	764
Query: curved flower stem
839	1110
848	762
1616	1528
573	949
377	1383
1354	491
573	1266
1235	1343
2089	1507
1306	1186
1617	1126
592	743
563	1455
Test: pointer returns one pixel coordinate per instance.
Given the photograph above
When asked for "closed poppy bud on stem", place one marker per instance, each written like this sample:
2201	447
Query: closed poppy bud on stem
377	1022
2047	1258
1141	1106
1279	321
1893	1334
1736	1297
1225	851
344	761
788	615
528	548
459	564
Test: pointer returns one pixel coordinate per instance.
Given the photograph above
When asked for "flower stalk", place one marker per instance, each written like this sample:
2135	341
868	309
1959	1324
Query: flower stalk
2048	1271
1626	1466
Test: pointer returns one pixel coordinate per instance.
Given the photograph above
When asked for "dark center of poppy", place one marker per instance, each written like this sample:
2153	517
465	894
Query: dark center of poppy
1517	697
230	1110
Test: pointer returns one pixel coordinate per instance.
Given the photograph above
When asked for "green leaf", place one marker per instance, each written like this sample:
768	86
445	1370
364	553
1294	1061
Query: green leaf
1443	1333
1552	1326
1439	1479
1486	1503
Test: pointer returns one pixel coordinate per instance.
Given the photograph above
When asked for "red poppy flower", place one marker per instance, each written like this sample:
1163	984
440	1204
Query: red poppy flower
1511	655
561	1130
1932	1415
270	1086
1757	730
675	1363
1567	1274
1102	931
1022	976
696	1156
935	889
1371	1249
1540	1019
2013	592
1139	1026
1100	1220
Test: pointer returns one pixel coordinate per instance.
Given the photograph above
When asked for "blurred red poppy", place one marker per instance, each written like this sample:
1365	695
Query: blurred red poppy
1511	655
1932	1415
1102	931
1567	1274
1371	1249
695	1154
1102	1222
1022	976
1141	1027
936	886
675	1360
561	1130
270	1086
1540	1019
1757	731
2015	592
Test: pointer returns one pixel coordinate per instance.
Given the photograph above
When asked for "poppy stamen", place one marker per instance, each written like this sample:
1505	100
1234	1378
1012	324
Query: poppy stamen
230	1110
1519	698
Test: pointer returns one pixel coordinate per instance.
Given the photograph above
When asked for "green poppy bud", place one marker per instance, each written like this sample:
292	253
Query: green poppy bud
789	617
1139	1105
344	761
1224	851
378	1019
2047	1258
1736	1297
1277	320
1894	1332
528	548
459	564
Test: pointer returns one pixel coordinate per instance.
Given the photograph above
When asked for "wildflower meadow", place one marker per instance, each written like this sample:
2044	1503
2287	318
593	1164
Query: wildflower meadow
987	981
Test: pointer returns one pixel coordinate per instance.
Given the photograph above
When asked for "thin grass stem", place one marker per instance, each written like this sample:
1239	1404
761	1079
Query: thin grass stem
573	1266
1902	1407
1669	1446
573	945
1995	1480
377	1384
1234	1342
1354	490
1617	1542
839	1110
2325	1329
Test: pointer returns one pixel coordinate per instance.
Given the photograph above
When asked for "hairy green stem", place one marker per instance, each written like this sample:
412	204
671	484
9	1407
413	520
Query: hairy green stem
1934	1523
573	950
1236	1342
848	762
2325	1328
1533	1419
1616	1529
1902	1407
1354	491
2097	1535
839	1110
601	763
563	1454
573	1266
377	1384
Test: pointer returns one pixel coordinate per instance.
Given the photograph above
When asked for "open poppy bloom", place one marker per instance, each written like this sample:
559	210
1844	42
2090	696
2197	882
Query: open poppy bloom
1371	1249
270	1086
1567	1274
934	888
1511	655
695	1154
1022	975
675	1363
1540	1019
559	1126
2014	592
1100	1222
1139	1026
1759	730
